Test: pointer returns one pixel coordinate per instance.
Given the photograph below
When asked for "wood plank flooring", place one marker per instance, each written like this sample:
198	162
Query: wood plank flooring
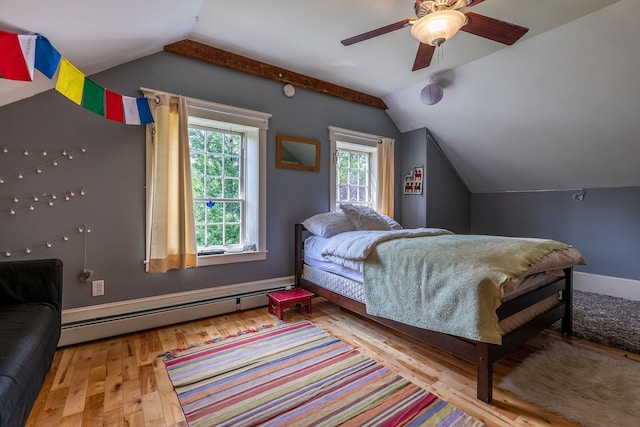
120	381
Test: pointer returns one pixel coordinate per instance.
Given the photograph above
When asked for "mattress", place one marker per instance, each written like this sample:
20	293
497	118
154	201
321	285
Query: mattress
354	289
541	273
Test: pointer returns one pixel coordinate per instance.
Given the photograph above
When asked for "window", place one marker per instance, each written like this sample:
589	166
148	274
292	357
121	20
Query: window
227	147
353	176
354	173
216	172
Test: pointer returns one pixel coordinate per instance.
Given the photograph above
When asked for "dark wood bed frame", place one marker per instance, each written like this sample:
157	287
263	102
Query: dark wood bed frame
481	354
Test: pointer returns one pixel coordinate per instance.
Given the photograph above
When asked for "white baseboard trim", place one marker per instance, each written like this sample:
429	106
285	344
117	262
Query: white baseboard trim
106	320
607	285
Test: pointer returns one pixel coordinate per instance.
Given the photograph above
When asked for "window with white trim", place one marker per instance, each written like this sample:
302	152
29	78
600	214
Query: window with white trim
354	171
227	146
217	166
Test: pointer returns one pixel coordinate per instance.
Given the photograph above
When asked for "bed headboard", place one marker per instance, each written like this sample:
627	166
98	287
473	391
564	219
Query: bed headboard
299	229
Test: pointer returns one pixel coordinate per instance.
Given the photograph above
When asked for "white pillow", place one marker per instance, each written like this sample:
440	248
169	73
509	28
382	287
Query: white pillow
395	225
328	224
365	218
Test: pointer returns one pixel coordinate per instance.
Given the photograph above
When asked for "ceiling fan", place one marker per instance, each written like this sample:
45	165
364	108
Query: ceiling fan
438	20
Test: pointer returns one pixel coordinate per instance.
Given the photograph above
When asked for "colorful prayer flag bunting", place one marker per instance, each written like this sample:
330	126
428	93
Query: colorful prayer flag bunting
114	106
70	81
144	110
15	56
20	54
131	116
47	57
28	46
93	97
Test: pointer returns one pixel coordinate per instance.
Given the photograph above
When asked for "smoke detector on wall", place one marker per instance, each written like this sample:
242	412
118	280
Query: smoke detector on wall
289	90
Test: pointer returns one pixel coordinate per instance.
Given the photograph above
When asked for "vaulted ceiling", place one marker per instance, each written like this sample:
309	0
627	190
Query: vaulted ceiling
556	110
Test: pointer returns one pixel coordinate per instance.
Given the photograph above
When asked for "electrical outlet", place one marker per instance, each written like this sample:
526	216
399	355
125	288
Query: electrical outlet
97	288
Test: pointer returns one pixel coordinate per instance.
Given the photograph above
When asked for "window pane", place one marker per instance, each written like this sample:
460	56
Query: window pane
213	187
197	184
200	235
343	193
233	212
214	142
214	235
353	177
234	145
232	167
362	162
196	140
343	159
197	164
231	188
215	165
232	234
353	160
216	213
199	212
362	178
362	194
343	176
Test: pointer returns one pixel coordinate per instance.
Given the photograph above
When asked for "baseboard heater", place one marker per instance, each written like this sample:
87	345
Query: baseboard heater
108	325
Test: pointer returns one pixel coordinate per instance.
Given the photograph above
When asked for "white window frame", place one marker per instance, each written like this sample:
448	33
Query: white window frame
346	139
254	125
212	126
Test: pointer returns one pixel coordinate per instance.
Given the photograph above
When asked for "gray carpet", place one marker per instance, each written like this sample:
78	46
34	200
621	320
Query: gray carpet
607	320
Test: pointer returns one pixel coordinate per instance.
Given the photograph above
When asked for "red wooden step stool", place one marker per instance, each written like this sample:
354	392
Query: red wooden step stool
282	300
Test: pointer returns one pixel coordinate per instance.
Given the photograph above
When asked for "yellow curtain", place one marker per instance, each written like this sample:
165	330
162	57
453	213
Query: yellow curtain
385	176
171	241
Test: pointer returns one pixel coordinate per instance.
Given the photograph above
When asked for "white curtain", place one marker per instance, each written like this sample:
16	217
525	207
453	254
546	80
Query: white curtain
385	176
170	234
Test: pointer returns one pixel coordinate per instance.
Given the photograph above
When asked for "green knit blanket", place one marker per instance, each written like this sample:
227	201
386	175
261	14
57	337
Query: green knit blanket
448	283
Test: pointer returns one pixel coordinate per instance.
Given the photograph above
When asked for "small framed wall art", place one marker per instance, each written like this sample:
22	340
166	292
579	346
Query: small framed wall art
413	181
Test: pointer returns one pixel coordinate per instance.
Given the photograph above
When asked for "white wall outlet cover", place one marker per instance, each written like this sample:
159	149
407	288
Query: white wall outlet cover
289	90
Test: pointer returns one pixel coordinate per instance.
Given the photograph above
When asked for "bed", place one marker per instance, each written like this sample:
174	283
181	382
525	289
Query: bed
528	303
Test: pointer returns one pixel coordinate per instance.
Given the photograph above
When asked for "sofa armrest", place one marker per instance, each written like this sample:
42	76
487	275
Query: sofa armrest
31	281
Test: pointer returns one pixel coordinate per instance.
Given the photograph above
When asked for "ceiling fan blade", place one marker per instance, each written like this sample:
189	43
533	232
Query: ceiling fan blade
474	2
377	32
423	56
493	29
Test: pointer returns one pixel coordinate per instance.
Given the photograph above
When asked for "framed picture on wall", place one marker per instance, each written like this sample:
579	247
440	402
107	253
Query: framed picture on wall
413	181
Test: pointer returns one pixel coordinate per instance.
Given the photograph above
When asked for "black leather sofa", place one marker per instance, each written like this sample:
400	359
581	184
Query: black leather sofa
30	318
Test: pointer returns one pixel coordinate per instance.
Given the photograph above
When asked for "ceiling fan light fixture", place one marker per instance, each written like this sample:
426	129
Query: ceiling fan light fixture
437	27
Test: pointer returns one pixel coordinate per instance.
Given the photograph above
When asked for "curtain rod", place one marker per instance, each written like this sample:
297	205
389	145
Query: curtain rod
550	190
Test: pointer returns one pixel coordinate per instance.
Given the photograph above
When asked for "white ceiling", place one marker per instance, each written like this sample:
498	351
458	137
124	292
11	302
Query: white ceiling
556	110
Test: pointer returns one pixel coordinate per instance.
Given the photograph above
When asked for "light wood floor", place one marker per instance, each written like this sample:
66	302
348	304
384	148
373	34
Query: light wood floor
121	382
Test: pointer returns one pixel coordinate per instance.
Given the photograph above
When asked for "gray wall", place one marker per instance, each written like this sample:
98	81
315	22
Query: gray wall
413	154
445	201
112	172
449	200
605	226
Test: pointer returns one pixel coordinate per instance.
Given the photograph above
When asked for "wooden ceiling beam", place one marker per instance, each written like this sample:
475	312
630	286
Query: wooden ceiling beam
212	55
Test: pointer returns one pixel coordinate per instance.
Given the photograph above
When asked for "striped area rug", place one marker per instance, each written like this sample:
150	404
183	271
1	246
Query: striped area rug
298	375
